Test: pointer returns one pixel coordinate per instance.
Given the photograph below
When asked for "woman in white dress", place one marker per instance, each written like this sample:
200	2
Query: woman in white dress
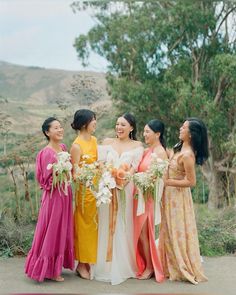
121	265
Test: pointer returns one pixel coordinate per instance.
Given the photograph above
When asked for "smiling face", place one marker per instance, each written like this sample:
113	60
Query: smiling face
91	127
123	128
55	132
149	135
184	133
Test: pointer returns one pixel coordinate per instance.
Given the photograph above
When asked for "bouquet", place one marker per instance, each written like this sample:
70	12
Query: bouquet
61	172
121	176
85	174
106	183
146	181
150	183
98	178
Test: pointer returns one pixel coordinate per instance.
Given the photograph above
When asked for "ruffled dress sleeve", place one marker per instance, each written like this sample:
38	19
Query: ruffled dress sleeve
137	157
44	176
103	152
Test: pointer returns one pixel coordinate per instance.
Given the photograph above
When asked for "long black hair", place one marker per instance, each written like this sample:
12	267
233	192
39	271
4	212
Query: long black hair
131	120
158	126
199	140
47	124
82	118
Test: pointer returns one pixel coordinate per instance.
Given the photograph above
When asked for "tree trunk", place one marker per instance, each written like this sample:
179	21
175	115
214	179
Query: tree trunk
215	184
5	145
216	198
28	196
18	211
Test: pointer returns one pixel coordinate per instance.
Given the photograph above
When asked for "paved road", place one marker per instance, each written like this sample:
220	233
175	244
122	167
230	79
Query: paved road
221	272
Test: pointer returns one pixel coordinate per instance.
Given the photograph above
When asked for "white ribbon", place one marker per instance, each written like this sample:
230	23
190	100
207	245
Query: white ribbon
159	191
141	203
157	208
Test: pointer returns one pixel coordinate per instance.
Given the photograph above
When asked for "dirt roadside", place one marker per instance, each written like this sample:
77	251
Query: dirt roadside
221	272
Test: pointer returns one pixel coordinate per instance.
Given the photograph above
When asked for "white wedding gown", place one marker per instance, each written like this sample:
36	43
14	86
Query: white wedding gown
123	264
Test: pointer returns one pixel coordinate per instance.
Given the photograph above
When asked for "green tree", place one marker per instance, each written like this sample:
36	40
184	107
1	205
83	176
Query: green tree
5	127
171	60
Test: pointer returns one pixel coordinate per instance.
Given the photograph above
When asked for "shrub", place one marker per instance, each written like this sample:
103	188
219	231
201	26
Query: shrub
15	238
216	230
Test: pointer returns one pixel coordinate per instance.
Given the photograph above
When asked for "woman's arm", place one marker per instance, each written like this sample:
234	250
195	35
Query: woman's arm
44	175
190	175
75	152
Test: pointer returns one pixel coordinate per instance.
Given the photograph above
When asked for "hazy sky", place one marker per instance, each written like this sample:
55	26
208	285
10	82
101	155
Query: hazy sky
42	33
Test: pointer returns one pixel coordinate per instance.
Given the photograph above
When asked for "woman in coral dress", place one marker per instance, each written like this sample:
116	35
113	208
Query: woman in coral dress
52	246
178	240
147	258
84	148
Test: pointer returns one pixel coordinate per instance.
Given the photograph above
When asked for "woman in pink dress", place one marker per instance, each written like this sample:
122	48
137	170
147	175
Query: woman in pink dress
178	240
147	259
52	246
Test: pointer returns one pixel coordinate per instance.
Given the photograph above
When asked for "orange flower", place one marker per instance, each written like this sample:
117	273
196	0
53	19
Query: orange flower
125	167
114	172
121	174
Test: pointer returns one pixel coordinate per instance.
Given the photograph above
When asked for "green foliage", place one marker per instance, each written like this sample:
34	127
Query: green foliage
15	238
153	49
201	191
216	231
170	60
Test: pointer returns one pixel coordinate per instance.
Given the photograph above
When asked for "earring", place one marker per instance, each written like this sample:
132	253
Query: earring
131	134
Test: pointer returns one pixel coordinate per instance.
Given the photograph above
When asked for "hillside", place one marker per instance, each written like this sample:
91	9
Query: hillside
29	94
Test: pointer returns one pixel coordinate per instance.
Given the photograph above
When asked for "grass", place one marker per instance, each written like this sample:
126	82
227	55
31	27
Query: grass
216	230
15	238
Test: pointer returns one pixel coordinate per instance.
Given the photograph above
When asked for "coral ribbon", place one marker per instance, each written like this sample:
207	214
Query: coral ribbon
113	209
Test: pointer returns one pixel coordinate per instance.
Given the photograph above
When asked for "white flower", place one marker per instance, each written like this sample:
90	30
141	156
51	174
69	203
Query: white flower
108	180
68	166
106	183
61	172
145	181
49	166
85	157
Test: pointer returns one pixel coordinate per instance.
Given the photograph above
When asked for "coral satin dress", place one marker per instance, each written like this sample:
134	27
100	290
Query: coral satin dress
139	221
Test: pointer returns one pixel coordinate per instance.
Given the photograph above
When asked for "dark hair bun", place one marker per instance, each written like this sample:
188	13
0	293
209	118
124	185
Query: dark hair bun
82	118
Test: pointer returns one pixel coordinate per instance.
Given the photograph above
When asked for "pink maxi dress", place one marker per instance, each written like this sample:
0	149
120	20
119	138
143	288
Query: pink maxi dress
139	221
52	246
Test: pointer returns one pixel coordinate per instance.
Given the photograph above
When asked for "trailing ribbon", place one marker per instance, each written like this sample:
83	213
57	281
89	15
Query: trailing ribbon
158	191
141	203
159	187
113	209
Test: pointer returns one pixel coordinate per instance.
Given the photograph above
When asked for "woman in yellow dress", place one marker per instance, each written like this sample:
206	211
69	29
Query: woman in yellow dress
84	148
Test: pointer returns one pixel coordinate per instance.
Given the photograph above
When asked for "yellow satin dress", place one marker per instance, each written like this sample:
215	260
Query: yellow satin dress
86	220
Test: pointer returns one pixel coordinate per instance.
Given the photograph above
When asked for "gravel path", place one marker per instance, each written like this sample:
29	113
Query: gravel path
221	272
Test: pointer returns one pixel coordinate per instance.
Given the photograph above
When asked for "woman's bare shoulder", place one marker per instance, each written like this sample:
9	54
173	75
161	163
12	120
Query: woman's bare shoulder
108	141
138	144
75	147
161	153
